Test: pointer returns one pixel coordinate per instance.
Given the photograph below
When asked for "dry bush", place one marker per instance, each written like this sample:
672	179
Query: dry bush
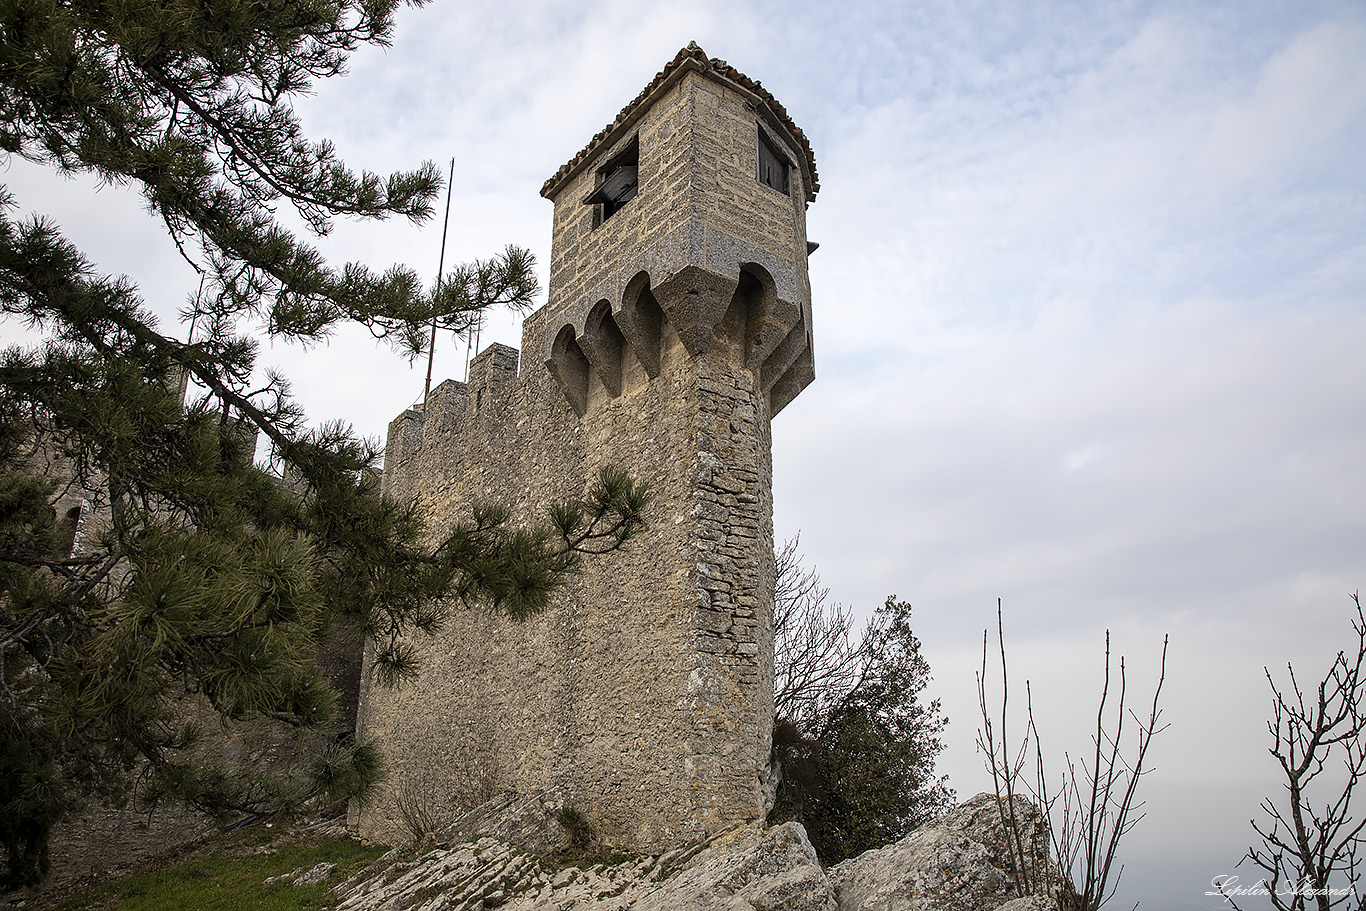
1095	804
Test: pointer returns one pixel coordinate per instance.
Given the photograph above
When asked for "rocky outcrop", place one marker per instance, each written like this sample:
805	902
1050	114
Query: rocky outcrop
530	820
959	863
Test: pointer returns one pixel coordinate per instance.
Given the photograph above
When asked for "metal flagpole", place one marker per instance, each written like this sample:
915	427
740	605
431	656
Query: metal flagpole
440	271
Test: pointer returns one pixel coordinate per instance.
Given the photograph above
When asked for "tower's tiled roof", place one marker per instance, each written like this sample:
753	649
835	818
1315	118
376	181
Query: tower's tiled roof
693	56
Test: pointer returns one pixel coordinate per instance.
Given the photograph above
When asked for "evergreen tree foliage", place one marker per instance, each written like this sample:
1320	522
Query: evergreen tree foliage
204	586
854	741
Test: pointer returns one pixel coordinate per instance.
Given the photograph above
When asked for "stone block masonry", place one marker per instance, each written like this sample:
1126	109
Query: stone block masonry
678	324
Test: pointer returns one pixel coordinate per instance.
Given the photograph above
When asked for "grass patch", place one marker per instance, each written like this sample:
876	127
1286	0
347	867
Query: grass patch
230	875
576	828
581	848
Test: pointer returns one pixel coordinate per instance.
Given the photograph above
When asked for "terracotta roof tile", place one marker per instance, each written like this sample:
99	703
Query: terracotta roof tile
718	67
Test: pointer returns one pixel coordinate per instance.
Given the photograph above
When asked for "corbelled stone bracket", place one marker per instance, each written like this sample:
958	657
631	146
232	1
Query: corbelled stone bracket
602	343
641	321
695	299
568	364
768	333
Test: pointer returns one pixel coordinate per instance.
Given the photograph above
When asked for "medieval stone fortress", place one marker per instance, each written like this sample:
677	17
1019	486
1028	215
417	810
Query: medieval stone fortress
678	324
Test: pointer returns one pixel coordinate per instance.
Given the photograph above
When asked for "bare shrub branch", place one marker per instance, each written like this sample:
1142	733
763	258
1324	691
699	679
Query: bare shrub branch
1312	857
1094	806
816	659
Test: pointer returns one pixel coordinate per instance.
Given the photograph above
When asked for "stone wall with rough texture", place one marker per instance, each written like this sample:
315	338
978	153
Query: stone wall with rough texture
646	688
675	328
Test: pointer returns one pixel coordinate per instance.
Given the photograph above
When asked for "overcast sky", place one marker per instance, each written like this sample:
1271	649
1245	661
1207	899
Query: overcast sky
1089	326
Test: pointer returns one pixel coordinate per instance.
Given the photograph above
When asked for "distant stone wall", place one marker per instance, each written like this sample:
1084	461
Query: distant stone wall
111	837
107	839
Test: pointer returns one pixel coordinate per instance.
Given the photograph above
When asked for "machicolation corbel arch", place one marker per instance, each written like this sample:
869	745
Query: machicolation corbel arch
678	324
769	333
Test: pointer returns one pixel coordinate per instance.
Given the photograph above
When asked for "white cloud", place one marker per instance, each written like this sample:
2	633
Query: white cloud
1305	97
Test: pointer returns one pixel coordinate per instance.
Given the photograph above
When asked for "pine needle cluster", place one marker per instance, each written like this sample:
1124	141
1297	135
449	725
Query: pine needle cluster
204	585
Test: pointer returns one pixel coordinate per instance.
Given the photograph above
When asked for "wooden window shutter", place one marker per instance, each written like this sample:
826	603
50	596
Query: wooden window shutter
773	166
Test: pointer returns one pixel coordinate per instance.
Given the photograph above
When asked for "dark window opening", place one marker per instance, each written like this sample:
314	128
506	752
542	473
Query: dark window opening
618	181
774	168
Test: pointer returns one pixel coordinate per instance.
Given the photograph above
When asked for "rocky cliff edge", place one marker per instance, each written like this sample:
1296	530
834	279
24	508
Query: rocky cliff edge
510	855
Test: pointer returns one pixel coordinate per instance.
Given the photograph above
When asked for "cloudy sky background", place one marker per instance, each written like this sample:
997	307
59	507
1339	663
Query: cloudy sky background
1088	314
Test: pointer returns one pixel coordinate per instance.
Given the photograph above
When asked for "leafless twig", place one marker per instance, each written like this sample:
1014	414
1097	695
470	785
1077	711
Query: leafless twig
1095	805
1313	857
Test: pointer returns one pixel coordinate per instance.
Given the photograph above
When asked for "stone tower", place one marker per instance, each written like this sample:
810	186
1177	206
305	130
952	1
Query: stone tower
678	324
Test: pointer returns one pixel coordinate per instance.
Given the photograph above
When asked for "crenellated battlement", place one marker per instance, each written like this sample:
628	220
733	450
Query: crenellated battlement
452	405
678	323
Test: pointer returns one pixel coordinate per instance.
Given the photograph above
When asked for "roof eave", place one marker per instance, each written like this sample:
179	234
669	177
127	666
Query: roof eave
693	59
617	130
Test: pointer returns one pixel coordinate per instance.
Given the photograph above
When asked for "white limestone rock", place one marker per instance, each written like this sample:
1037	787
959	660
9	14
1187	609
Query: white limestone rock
1030	903
767	870
931	869
957	864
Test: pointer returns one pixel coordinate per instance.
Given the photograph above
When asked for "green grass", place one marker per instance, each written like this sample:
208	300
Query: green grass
229	876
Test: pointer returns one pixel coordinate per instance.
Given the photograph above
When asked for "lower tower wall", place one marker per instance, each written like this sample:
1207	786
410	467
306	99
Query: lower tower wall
645	690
